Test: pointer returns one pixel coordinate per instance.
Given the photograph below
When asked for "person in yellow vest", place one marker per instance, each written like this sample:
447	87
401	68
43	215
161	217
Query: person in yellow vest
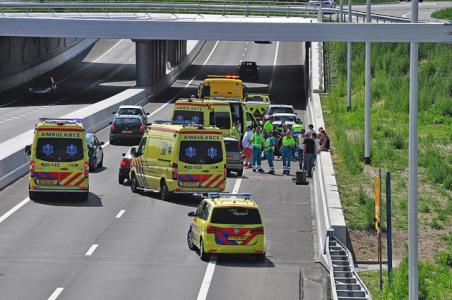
287	146
270	143
257	140
235	131
267	127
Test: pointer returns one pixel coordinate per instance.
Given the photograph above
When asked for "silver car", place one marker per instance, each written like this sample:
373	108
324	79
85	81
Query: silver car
234	160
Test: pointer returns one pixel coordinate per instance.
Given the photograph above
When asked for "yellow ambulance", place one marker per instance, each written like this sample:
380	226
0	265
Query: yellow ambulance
222	86
59	159
209	112
179	159
257	104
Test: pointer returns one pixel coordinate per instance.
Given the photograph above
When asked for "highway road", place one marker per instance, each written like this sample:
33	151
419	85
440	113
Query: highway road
403	9
120	245
96	74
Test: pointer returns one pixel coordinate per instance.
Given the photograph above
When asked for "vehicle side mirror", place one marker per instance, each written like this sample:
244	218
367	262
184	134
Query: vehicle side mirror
191	214
102	143
110	123
133	152
28	150
147	114
123	154
113	113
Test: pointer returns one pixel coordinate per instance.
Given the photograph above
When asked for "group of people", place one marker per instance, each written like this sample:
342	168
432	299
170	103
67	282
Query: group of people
284	142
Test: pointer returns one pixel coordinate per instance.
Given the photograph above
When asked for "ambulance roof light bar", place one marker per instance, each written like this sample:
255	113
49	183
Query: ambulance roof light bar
60	120
230	76
228	195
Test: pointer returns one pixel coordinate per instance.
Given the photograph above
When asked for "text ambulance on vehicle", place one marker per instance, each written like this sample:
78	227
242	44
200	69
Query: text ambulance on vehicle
59	158
179	159
210	112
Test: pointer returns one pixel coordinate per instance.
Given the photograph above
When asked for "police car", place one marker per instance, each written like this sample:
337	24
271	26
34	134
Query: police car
227	224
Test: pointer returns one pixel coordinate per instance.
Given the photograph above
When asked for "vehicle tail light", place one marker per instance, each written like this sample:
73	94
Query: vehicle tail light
174	171
238	147
86	171
125	163
212	229
257	230
225	172
32	168
142	128
113	127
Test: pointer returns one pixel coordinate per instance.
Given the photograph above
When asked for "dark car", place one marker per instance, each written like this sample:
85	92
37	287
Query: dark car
95	151
248	69
234	160
124	166
44	89
126	128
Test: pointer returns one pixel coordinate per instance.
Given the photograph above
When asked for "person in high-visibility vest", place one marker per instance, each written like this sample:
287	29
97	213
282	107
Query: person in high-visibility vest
297	127
257	140
235	132
267	127
287	146
270	143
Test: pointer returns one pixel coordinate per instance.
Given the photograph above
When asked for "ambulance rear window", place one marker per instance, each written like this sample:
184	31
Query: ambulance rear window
236	215
188	117
255	98
59	149
201	152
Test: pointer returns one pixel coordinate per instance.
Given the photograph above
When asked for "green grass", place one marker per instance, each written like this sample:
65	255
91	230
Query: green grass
389	129
444	14
435	280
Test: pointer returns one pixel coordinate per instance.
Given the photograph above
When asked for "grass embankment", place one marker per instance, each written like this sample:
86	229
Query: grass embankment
389	143
443	14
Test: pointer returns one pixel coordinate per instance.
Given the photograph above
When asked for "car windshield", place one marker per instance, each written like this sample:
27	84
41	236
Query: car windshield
222	120
128	121
130	111
59	149
255	98
284	118
236	215
231	146
281	110
188	117
201	152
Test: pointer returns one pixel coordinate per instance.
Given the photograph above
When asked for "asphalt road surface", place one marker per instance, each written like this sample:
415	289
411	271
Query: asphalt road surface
96	74
120	245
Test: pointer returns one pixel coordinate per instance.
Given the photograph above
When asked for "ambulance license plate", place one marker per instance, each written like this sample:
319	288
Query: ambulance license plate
47	182
127	131
190	184
236	238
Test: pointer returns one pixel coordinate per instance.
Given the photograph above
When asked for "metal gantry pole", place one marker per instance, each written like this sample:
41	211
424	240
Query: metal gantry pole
367	94
412	167
349	62
341	11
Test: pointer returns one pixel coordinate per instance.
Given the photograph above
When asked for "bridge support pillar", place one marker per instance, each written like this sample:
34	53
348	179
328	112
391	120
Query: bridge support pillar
143	63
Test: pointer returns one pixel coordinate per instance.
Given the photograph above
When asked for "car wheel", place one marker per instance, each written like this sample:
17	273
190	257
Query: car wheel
164	193
101	164
121	179
240	173
33	195
92	167
134	184
204	256
112	142
191	246
260	257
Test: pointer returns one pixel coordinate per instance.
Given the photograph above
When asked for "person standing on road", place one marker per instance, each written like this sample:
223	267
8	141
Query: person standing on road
300	146
270	143
247	146
325	142
235	131
267	127
257	140
309	152
287	146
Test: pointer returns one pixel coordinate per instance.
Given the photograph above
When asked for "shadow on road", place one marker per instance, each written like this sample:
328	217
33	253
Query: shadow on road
70	199
243	261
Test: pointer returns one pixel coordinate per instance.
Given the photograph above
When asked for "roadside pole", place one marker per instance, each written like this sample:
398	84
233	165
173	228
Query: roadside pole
389	225
367	94
341	11
349	62
413	236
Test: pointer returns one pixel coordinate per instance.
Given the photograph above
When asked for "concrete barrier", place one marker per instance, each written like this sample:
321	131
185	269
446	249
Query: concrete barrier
329	214
14	162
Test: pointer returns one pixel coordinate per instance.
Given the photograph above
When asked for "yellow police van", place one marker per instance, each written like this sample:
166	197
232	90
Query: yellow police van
179	159
257	104
59	159
212	112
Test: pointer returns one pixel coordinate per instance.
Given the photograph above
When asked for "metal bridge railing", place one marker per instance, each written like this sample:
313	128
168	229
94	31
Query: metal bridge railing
132	9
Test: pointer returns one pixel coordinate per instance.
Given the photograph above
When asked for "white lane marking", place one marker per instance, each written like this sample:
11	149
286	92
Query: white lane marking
202	295
274	66
92	62
91	249
7	120
56	293
120	213
187	85
14	209
245	48
16	117
13	171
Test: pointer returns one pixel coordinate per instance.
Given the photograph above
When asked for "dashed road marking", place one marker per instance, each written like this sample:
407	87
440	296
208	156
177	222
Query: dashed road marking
56	293
120	213
14	209
91	249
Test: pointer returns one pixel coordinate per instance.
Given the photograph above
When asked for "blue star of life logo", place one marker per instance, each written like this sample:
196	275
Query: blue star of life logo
180	119
195	120
212	152
47	149
190	152
71	150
